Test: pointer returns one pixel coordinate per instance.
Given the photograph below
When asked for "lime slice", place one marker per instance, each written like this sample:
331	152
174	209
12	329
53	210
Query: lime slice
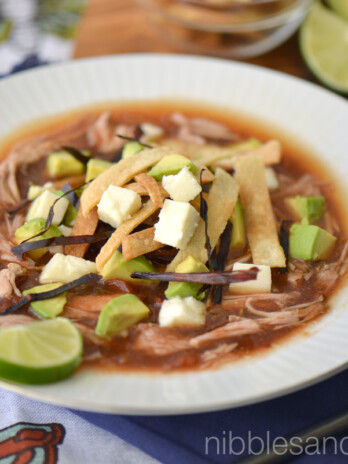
40	352
324	46
340	6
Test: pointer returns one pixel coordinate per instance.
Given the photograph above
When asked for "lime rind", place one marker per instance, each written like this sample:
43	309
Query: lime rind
324	47
340	7
40	352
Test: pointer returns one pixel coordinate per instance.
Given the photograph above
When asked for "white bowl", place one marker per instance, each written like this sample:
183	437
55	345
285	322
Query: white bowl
315	117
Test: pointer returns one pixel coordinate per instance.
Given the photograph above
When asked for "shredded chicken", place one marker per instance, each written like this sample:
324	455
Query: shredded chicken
103	135
235	328
32	150
218	354
155	340
14	319
197	130
8	226
88	333
306	185
8	280
288	316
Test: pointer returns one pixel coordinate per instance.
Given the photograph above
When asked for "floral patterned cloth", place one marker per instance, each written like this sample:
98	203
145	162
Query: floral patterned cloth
41	28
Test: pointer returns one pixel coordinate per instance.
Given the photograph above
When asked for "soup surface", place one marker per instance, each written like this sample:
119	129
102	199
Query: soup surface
235	322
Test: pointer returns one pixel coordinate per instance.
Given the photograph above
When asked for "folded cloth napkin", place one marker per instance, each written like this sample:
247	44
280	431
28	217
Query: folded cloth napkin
32	432
45	28
225	436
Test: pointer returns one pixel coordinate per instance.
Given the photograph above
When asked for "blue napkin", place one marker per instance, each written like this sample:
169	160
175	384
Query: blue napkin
31	61
199	438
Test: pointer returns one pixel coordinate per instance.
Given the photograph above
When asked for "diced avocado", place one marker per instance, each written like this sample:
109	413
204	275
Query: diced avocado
33	227
63	164
131	149
51	307
249	144
238	238
119	314
184	289
34	191
171	165
307	209
70	216
95	167
118	268
310	242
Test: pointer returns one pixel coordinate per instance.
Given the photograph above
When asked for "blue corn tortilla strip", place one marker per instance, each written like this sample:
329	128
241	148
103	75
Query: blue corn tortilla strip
52	293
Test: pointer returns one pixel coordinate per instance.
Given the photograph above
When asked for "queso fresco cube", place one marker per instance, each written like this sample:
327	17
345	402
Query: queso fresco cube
66	268
182	312
42	204
118	204
183	186
262	284
177	223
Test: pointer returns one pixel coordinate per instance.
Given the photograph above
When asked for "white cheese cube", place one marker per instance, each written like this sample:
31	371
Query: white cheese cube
42	204
118	204
182	312
65	268
271	179
35	190
66	231
177	223
183	186
262	284
150	132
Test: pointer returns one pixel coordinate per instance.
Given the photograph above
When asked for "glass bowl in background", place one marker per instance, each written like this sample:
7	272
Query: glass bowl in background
227	28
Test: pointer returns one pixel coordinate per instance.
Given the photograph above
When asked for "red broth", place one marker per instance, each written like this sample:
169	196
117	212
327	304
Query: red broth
298	297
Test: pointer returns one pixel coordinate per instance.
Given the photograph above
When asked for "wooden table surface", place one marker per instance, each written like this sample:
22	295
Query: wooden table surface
121	26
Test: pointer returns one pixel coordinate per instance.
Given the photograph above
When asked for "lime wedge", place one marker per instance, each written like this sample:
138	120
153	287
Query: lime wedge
340	6
324	46
40	352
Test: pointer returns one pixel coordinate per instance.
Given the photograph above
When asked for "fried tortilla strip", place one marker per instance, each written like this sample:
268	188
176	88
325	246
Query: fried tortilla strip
83	226
122	231
207	175
217	155
260	223
119	174
139	244
141	190
152	187
270	152
221	201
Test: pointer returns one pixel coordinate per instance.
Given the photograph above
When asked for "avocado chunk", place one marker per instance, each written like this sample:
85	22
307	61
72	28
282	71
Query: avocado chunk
184	289
63	164
50	308
71	212
95	167
70	216
131	149
306	209
310	242
171	165
118	268
238	237
249	144
119	314
33	227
